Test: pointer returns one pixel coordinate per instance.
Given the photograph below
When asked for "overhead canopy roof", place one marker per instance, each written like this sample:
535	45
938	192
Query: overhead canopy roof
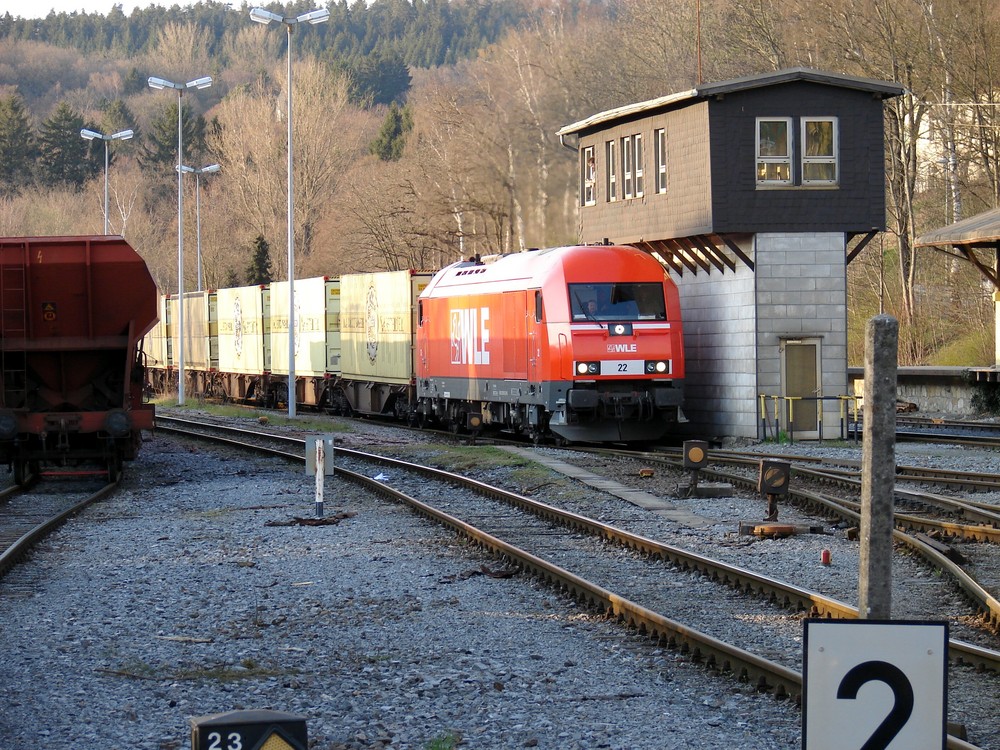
962	238
981	229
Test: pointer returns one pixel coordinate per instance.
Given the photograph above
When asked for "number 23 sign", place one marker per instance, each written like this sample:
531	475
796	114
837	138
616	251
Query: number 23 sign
874	685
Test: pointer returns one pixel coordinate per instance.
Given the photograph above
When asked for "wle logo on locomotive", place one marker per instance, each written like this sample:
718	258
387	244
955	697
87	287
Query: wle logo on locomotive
470	336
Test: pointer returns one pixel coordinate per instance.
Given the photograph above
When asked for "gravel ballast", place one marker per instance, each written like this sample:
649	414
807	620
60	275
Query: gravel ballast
176	598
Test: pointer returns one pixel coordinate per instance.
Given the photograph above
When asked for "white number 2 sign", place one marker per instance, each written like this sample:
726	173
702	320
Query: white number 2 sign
874	685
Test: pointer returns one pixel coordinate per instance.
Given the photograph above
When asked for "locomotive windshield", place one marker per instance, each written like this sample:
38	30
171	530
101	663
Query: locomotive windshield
617	301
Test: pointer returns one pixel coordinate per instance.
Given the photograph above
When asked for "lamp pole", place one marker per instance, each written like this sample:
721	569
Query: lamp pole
90	135
314	17
197	204
198	83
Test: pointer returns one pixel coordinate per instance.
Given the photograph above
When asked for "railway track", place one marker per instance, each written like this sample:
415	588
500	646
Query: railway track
28	516
911	528
535	548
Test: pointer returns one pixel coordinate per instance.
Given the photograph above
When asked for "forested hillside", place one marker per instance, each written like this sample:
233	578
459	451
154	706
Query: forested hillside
424	130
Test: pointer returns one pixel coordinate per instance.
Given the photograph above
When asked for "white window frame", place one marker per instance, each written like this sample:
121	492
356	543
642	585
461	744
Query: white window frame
660	149
831	157
588	173
612	171
773	157
627	173
637	160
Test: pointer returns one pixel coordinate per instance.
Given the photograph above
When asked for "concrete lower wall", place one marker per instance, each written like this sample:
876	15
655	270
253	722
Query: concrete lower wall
721	380
736	325
934	390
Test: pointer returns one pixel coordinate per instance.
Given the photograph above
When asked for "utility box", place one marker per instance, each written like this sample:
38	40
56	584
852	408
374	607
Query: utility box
258	729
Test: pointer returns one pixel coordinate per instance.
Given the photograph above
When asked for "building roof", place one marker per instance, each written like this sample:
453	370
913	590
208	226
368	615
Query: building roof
981	229
883	89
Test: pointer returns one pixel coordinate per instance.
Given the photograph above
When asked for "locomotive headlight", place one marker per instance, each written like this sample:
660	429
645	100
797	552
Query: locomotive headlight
588	368
657	367
117	423
8	424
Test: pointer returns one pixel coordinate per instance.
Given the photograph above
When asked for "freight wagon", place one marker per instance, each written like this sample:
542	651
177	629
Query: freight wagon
74	313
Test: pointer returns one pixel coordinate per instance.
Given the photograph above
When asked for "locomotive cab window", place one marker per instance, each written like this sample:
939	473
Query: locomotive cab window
617	302
538	306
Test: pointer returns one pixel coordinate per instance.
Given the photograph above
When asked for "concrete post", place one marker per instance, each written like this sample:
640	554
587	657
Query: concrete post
878	469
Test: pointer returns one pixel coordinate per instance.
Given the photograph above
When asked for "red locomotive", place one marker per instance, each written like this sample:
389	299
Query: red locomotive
584	342
74	311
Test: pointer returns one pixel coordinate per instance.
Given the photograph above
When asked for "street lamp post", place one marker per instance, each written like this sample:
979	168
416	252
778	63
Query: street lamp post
90	135
265	16
197	204
198	83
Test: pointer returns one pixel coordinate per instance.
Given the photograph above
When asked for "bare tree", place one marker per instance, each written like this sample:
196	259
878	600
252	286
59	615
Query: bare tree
180	51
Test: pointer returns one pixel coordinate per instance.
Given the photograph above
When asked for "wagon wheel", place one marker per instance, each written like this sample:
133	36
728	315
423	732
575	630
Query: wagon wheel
114	468
21	472
457	425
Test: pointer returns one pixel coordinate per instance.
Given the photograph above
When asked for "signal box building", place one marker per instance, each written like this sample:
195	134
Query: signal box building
751	193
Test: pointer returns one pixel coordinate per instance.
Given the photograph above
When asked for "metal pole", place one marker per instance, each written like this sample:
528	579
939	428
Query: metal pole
291	245
180	250
197	214
106	185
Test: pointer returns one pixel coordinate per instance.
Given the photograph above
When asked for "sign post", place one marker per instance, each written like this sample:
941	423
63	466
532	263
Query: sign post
319	462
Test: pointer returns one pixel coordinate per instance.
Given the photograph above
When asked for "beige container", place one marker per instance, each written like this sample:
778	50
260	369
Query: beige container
155	344
201	343
317	327
241	329
378	323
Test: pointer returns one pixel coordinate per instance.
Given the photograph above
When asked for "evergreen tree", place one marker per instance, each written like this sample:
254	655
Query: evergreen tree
391	139
259	270
65	157
160	146
17	145
117	117
378	78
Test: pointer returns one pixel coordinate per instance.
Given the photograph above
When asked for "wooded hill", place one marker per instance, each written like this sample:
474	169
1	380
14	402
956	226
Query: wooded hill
424	130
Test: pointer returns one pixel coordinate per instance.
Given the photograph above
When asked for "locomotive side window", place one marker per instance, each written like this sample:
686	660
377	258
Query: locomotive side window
617	302
538	306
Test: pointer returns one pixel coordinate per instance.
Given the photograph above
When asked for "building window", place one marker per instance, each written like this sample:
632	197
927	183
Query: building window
612	172
588	171
627	166
632	173
639	186
819	151
660	155
774	151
